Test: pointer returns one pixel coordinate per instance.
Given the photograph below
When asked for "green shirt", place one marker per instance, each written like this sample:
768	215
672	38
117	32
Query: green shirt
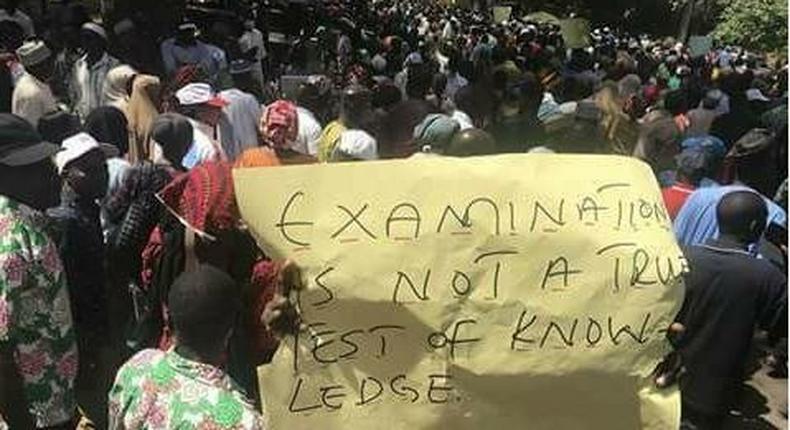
35	314
162	390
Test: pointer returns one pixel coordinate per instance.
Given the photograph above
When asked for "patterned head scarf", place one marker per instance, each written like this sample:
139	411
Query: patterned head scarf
280	124
203	199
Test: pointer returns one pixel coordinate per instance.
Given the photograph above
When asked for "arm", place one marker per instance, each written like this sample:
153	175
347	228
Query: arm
13	403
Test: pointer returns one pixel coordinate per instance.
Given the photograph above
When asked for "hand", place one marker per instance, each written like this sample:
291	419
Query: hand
280	316
671	367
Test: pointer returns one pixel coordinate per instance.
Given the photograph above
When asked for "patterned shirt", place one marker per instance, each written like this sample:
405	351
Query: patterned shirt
163	390
35	317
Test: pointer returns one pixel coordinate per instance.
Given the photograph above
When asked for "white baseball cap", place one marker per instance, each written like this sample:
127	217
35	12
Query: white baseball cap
198	94
78	145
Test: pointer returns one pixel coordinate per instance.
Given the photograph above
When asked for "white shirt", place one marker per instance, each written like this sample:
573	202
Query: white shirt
253	39
309	133
454	83
243	113
88	83
32	99
203	147
20	18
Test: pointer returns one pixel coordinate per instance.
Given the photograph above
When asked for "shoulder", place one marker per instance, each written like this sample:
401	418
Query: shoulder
141	361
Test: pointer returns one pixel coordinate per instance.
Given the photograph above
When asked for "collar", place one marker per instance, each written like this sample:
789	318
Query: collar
105	58
203	372
725	245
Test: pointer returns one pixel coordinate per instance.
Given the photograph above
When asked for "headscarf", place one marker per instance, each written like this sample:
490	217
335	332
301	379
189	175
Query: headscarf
280	124
141	113
108	124
116	86
203	199
436	131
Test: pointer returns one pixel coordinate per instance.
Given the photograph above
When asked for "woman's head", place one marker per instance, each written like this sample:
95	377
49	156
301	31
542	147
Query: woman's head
279	125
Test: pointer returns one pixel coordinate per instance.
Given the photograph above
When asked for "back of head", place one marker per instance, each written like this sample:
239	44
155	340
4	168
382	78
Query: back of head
418	81
174	134
308	97
743	215
108	124
676	102
203	305
693	164
471	142
57	126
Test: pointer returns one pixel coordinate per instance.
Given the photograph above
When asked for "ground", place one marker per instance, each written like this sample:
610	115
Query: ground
763	403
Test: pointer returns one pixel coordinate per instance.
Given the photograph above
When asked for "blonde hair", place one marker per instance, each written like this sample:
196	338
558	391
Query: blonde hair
142	112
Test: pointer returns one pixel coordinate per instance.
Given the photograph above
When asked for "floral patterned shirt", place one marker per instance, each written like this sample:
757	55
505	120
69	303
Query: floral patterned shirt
159	389
35	314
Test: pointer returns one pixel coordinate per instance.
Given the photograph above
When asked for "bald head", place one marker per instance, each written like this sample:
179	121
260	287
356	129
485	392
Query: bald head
743	215
471	142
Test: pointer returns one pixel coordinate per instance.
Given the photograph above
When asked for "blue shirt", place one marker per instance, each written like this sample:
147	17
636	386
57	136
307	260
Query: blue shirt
696	222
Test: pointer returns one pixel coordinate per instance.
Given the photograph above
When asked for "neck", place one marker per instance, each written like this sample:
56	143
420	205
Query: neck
733	240
191	354
92	58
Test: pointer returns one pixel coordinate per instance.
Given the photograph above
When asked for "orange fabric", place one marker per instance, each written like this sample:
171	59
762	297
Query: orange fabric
257	157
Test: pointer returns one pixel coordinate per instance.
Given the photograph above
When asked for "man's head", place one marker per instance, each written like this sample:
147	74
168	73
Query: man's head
26	170
742	215
55	127
471	142
712	99
693	164
186	34
173	133
83	165
355	106
93	39
203	305
37	59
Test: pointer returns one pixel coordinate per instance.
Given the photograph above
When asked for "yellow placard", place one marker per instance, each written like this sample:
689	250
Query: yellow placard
506	292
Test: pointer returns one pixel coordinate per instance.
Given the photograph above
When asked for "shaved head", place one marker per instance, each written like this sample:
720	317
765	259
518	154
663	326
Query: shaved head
742	214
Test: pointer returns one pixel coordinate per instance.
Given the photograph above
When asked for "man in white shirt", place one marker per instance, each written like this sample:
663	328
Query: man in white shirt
199	104
11	12
32	97
309	103
90	70
252	39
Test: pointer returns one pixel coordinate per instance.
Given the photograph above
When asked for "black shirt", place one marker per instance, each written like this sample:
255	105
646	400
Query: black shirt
728	294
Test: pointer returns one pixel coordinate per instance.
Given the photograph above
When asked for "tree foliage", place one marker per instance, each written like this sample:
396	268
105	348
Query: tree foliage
754	24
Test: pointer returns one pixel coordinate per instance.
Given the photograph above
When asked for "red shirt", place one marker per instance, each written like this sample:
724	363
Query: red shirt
675	196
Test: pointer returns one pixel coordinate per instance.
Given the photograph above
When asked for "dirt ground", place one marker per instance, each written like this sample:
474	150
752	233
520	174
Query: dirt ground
763	404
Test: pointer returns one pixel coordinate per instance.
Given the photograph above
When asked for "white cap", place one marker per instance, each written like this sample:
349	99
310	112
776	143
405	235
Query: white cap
33	52
754	94
198	94
95	29
75	147
358	144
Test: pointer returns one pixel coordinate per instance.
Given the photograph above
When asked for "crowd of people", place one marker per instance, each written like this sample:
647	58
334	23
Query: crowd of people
131	294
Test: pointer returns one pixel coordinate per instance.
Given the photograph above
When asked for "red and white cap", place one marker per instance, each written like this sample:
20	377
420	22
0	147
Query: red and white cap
198	94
